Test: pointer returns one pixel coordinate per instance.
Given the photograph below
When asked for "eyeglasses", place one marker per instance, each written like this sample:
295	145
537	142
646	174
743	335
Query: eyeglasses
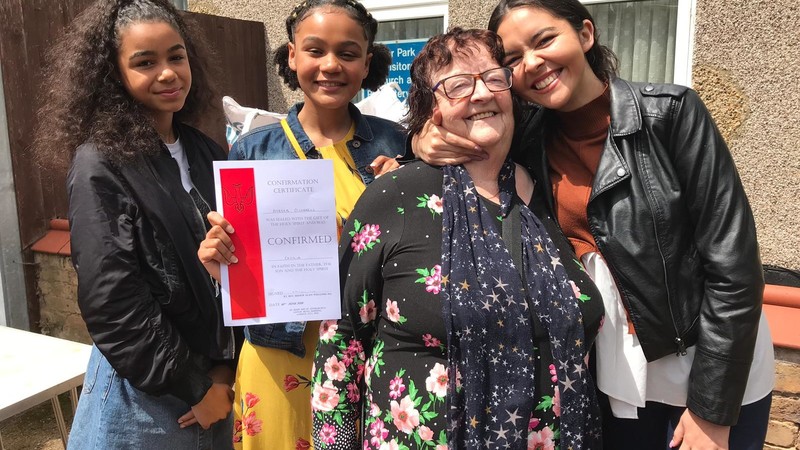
463	85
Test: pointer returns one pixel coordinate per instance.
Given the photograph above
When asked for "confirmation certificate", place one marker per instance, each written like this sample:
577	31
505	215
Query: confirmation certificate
284	219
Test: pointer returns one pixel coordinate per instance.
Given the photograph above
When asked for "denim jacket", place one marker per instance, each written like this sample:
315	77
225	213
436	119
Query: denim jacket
373	137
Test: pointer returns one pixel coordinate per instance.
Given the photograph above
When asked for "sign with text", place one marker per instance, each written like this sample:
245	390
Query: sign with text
285	238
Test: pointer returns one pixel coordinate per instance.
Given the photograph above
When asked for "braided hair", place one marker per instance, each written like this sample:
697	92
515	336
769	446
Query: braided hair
381	57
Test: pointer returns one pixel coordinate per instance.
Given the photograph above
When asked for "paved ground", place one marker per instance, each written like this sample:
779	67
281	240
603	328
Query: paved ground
35	429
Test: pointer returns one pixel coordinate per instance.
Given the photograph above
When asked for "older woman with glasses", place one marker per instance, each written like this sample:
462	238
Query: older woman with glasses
466	318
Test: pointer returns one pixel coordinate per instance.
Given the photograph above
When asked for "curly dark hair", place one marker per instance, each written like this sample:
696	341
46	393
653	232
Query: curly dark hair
82	97
602	60
381	56
437	55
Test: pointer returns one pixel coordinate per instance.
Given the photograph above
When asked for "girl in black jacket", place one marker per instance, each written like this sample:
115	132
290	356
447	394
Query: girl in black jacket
121	83
644	187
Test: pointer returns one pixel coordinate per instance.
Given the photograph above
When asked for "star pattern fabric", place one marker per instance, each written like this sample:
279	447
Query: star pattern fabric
487	292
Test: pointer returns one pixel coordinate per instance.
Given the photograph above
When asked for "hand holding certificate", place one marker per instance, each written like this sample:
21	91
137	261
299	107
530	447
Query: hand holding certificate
284	216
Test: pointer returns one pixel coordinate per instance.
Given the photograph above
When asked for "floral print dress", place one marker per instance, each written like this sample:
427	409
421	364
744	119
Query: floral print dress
380	377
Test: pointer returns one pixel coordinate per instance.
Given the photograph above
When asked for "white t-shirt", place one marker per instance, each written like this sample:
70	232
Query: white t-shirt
179	155
629	380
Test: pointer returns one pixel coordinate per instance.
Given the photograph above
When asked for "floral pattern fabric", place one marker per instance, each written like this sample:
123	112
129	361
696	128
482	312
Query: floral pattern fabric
380	378
271	404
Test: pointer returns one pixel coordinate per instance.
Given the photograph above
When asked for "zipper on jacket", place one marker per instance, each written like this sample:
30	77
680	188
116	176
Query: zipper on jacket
678	340
612	269
681	347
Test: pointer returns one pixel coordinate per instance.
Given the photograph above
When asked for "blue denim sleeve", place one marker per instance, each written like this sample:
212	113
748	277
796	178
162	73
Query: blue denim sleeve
285	336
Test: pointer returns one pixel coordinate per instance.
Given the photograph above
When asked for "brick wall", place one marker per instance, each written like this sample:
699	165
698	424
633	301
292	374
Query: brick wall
784	425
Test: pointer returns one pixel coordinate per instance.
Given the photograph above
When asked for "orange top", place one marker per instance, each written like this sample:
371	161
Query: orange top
573	151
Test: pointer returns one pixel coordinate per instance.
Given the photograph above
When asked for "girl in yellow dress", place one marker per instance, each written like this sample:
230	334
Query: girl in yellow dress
330	55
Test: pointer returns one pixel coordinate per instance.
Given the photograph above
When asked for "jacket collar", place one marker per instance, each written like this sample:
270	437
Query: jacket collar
363	131
626	119
626	115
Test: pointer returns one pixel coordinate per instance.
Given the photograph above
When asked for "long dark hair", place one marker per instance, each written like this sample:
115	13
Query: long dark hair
381	57
83	98
602	60
437	54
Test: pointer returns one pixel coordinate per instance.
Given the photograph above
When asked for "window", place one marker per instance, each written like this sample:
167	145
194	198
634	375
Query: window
400	30
386	11
652	38
404	26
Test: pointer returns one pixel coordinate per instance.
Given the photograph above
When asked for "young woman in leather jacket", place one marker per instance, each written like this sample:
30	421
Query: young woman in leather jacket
122	81
645	189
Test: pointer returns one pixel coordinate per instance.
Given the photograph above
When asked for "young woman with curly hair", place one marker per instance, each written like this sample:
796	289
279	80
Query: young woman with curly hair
123	79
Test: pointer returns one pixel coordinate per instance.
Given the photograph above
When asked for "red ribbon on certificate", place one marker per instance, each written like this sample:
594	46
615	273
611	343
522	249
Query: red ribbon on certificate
245	278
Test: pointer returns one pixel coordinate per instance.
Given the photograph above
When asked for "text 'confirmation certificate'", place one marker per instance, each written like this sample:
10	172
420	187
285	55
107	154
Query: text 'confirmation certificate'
284	219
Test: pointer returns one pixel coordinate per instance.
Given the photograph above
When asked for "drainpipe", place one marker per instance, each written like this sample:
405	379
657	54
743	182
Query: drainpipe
13	298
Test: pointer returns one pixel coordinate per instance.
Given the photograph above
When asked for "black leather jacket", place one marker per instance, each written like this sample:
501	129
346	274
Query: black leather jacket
671	218
148	304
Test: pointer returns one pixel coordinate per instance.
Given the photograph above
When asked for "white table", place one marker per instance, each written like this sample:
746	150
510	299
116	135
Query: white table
35	368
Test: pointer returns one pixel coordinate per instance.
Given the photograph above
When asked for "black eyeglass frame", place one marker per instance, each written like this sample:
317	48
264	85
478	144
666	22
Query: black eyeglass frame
475	76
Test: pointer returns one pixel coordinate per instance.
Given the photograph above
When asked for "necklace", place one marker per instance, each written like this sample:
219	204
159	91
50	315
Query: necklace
486	194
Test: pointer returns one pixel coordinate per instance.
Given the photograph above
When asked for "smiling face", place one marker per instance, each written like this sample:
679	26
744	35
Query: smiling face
485	117
329	54
547	56
154	67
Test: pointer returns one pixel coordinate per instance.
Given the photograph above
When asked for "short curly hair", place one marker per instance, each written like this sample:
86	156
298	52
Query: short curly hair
437	54
82	97
381	56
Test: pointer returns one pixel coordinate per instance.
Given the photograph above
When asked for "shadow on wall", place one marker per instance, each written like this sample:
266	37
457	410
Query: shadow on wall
723	97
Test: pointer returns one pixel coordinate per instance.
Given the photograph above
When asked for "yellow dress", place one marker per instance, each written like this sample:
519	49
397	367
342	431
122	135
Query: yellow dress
272	406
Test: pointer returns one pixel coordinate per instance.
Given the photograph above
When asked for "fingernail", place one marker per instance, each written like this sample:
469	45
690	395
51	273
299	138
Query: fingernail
229	229
233	248
234	259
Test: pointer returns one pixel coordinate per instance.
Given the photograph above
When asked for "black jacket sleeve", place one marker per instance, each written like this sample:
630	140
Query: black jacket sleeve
725	236
123	318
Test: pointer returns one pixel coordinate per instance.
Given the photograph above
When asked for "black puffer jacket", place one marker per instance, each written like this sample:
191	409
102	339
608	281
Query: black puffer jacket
670	216
147	301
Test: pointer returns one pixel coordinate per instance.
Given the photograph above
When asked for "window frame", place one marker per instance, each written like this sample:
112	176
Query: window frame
684	34
407	9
